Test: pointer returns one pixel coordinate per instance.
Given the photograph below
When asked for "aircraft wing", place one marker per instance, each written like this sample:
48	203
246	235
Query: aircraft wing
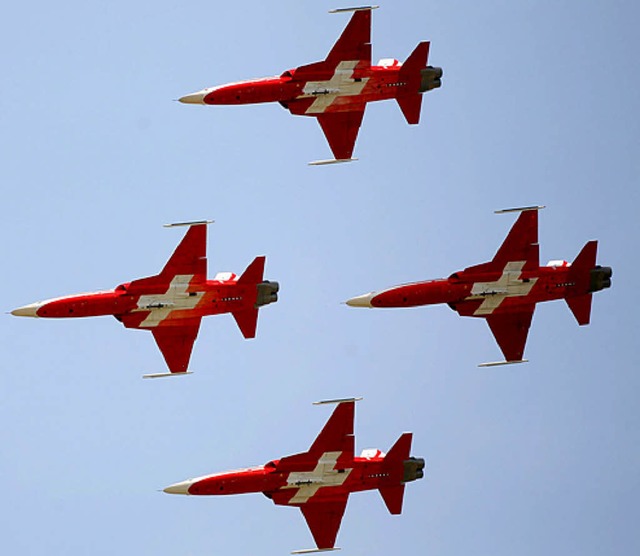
341	130
354	46
355	41
337	434
510	331
324	518
520	245
336	437
176	342
190	257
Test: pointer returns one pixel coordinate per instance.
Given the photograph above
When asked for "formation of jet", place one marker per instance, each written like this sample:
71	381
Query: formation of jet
320	480
337	89
172	303
505	290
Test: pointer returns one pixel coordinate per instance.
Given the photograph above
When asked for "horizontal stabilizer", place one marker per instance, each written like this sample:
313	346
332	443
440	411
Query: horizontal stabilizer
394	466
393	497
587	277
254	272
417	60
410	106
580	306
586	259
410	72
247	321
400	450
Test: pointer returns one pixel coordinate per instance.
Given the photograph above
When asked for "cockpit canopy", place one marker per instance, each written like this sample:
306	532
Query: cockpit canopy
371	453
225	277
558	263
389	63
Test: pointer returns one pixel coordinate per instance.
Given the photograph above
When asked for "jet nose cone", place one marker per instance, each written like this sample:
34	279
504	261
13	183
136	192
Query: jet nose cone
27	310
361	300
194	98
178	488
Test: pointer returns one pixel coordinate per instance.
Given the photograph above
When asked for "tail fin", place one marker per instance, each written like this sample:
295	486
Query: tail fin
400	450
580	275
586	259
393	497
254	272
417	60
247	321
266	292
394	465
411	105
410	72
580	306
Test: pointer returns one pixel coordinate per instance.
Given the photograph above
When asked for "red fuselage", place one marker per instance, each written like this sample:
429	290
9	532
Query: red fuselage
178	301
467	291
172	303
320	480
315	92
289	487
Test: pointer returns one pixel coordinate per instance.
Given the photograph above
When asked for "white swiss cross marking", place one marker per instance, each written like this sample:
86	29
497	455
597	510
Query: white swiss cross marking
324	475
175	298
341	84
508	285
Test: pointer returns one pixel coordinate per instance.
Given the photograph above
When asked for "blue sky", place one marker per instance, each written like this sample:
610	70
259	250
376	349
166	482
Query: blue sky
539	105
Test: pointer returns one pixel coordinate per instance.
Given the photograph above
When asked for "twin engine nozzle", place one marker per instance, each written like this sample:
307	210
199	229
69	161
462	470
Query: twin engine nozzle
430	78
600	278
267	293
413	469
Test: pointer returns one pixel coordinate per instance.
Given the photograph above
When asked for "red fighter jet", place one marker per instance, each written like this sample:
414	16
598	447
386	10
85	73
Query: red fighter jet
172	303
505	291
337	89
320	480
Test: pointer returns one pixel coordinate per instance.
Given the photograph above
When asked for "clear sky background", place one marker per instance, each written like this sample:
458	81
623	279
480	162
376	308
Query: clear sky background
539	105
